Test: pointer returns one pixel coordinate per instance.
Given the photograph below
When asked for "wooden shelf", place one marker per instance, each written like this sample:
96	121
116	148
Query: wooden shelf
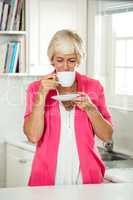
12	32
19	75
13	74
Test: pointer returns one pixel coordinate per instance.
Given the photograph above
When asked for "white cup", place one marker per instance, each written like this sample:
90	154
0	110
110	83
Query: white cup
66	78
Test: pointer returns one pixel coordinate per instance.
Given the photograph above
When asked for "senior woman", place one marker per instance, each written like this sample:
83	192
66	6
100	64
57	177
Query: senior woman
65	131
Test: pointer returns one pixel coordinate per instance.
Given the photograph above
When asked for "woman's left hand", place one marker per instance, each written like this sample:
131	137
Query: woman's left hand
100	125
84	102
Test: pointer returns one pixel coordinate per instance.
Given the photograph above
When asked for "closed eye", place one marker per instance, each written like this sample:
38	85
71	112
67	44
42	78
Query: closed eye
72	61
59	60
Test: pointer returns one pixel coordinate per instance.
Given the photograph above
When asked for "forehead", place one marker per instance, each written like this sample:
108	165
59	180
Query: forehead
61	55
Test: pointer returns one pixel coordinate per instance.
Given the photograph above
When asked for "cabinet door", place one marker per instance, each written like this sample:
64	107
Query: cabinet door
48	16
18	166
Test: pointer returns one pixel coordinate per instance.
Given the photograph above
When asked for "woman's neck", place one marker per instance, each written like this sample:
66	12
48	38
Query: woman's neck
66	90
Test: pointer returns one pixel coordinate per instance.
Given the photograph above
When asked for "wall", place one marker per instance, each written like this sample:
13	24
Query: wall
12	106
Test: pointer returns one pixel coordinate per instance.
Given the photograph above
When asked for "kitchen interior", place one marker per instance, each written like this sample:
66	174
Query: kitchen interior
106	28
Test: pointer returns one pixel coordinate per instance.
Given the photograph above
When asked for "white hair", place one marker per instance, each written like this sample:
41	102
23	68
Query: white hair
66	42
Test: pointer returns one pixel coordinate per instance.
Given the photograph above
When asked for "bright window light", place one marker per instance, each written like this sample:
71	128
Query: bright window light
123	56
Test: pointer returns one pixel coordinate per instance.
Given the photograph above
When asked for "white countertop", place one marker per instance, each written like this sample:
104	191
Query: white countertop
24	144
119	175
112	191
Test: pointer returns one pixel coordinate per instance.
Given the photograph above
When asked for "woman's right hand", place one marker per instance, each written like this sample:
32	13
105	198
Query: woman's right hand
48	82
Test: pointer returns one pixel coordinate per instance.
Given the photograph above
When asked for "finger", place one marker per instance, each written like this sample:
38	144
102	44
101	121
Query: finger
80	99
49	76
49	81
82	93
50	87
78	105
53	77
52	81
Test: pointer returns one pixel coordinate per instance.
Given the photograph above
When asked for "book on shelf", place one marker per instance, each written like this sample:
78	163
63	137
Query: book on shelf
22	18
1	12
18	18
12	15
9	56
17	67
5	16
14	58
11	60
22	55
3	56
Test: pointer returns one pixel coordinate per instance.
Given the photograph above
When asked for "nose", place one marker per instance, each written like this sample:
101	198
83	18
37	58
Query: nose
66	67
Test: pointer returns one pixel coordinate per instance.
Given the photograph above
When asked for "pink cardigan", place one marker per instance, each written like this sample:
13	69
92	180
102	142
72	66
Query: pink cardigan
45	159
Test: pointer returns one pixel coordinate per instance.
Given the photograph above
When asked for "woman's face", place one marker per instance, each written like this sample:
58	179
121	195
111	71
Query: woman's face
65	62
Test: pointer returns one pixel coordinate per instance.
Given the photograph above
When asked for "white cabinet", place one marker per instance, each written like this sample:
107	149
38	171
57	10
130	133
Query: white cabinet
18	166
45	17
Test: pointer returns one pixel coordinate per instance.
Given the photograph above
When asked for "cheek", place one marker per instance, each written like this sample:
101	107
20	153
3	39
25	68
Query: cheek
58	68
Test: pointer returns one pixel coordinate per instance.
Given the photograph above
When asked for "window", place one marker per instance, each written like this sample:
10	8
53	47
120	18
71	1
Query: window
114	51
123	47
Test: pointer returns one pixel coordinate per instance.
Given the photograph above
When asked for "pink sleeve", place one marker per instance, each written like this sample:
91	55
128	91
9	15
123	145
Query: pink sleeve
102	106
30	98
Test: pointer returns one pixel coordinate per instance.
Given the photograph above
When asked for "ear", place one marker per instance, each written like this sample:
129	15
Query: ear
78	60
78	63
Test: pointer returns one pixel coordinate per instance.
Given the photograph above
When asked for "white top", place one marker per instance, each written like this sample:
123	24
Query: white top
68	169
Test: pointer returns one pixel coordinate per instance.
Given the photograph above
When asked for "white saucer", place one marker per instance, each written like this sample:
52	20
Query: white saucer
65	97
